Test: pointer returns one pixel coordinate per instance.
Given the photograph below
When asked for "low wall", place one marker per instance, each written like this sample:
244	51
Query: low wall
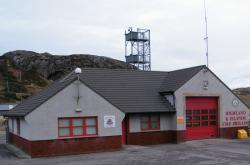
66	146
231	132
149	138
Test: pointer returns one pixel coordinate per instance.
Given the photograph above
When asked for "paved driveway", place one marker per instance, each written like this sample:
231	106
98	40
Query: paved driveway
201	152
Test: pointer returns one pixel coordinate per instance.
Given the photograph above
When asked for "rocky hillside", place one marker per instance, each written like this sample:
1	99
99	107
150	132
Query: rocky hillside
244	94
23	73
54	66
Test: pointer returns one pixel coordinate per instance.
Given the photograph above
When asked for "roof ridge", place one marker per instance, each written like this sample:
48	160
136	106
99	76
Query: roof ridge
190	72
128	70
119	69
187	68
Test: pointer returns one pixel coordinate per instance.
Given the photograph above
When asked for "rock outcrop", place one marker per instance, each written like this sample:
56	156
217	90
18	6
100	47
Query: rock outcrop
55	66
23	73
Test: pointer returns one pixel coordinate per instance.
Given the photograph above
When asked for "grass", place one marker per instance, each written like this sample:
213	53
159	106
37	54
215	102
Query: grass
18	89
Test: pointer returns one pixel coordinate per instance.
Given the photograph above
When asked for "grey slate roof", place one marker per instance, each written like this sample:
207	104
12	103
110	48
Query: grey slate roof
175	79
129	90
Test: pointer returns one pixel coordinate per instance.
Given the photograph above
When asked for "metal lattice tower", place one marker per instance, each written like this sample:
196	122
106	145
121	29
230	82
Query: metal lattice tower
137	48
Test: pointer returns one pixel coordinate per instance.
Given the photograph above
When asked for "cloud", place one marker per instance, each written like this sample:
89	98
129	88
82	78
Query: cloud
97	27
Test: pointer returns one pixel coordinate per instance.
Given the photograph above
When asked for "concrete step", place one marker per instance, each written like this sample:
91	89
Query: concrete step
16	151
2	139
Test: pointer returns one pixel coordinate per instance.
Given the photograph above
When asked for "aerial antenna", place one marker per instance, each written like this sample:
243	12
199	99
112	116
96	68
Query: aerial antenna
206	33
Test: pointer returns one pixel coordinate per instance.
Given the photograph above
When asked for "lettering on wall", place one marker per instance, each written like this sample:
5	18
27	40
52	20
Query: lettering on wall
235	118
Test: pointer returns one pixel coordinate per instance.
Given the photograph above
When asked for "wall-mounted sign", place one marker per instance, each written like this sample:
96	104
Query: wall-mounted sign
109	121
180	120
235	118
235	102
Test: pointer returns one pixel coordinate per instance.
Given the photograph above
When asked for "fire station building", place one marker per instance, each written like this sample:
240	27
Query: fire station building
96	110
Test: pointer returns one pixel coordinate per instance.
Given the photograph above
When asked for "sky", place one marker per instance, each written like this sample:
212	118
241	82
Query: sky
97	27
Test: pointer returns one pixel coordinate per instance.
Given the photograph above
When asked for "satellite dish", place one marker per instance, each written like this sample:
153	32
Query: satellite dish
78	71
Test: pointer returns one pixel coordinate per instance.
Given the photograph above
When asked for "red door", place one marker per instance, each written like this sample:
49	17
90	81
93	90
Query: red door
201	117
124	131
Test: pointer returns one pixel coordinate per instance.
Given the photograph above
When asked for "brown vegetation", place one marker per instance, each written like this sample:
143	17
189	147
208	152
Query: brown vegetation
244	94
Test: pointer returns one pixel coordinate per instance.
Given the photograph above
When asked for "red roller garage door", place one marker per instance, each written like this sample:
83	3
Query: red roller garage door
201	117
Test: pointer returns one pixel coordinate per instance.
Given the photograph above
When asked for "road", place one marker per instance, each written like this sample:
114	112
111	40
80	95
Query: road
200	152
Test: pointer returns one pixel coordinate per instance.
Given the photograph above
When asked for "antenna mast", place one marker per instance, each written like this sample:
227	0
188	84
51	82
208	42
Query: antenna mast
206	33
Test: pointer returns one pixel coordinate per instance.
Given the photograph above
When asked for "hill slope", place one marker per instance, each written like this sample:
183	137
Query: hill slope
23	73
244	94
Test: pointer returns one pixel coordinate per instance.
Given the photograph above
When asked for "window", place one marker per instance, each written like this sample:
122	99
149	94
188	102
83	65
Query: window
202	117
150	122
72	127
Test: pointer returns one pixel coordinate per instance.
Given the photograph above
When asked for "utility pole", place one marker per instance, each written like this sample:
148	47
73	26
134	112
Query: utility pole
206	33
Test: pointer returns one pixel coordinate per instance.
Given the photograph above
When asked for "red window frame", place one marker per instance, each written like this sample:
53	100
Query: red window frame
149	122
84	126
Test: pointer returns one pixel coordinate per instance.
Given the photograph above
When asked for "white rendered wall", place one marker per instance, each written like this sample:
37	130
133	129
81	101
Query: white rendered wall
14	129
24	129
10	125
170	98
43	121
194	87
